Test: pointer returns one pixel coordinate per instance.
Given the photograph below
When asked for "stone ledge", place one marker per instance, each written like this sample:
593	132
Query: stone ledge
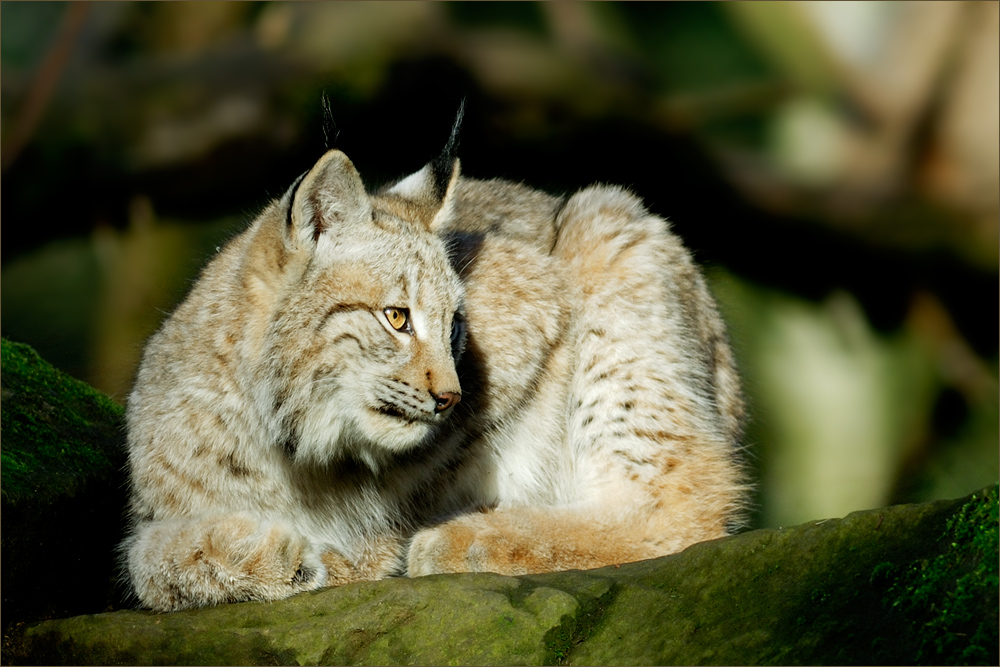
826	592
909	584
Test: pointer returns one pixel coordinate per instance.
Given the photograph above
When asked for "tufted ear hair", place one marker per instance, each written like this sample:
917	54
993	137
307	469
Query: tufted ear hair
327	197
330	131
434	185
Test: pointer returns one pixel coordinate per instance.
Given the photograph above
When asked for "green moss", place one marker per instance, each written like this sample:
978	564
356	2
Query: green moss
55	429
952	599
63	492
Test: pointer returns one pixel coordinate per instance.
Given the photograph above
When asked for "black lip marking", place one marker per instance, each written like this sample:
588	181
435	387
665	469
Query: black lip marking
391	411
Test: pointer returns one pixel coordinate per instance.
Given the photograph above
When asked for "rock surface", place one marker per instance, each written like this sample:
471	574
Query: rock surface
908	584
828	592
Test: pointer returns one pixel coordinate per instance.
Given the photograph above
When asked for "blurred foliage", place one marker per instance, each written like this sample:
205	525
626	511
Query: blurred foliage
843	416
834	164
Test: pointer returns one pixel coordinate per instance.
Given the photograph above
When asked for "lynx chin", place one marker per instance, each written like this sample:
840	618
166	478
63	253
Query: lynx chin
445	375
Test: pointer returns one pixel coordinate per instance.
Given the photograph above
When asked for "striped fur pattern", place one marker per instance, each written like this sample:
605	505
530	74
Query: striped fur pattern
448	375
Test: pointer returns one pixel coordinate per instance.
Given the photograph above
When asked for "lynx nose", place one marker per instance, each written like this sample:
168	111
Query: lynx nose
445	400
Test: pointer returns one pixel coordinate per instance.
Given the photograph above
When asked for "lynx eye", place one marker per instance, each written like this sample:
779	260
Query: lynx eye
399	318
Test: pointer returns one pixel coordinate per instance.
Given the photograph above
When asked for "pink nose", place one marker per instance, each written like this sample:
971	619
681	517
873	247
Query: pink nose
445	400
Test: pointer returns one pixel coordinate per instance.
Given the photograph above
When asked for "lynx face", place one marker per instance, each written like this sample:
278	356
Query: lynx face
362	350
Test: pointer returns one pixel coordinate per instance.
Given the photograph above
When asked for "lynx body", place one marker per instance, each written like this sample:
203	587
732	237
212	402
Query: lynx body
448	375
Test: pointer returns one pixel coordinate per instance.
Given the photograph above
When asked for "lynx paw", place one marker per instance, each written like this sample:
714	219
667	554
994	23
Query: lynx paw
469	543
266	561
525	540
182	563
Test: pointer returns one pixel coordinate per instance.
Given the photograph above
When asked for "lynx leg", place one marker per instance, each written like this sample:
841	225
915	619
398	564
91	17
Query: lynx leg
639	510
521	540
382	558
181	563
654	404
647	314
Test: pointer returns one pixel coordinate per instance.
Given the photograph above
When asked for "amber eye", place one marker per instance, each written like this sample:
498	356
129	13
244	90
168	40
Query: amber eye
399	318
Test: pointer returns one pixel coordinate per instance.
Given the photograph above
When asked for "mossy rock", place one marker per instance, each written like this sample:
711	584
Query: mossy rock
953	598
826	592
63	490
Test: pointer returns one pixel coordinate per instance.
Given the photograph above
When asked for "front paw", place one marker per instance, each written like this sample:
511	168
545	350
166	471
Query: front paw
184	563
466	544
436	551
266	561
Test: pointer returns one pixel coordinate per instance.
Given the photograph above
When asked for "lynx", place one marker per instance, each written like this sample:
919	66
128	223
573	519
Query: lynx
446	375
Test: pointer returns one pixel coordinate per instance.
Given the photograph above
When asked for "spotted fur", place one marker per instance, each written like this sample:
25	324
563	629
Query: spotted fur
284	435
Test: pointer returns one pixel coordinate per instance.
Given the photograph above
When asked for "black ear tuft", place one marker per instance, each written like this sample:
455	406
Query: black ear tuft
451	148
443	165
330	131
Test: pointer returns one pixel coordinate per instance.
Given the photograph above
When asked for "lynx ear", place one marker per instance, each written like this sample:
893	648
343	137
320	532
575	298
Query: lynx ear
434	185
329	196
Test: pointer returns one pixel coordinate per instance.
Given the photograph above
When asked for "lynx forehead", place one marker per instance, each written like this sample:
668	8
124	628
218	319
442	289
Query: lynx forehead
355	378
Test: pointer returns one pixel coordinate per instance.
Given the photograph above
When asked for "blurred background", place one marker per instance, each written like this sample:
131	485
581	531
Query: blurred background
833	165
